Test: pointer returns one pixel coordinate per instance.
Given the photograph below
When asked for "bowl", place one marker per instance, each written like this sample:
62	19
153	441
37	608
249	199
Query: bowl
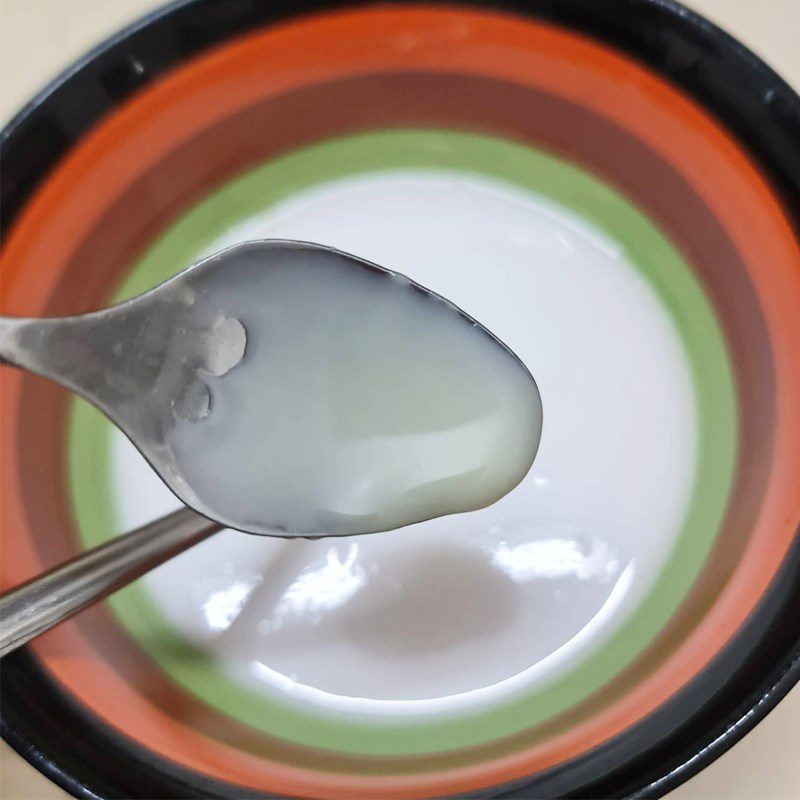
612	190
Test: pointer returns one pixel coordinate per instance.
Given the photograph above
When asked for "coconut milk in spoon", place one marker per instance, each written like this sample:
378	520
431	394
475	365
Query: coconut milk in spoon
362	402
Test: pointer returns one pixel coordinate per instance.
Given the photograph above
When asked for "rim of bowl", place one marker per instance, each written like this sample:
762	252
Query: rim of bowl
75	750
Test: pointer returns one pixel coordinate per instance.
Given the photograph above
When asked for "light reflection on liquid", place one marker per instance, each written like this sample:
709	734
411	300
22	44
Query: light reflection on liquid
555	558
317	591
224	605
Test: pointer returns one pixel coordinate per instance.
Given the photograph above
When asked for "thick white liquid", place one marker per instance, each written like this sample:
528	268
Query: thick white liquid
514	593
362	403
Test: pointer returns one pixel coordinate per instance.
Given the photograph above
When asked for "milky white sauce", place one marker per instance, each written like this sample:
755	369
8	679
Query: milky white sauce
453	615
363	403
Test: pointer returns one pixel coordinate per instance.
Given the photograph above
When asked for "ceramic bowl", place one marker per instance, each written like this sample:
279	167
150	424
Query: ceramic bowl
614	190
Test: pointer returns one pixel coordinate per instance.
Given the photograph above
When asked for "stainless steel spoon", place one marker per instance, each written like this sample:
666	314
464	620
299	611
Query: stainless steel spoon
142	363
43	602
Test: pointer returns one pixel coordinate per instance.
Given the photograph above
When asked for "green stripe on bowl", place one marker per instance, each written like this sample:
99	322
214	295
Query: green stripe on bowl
559	181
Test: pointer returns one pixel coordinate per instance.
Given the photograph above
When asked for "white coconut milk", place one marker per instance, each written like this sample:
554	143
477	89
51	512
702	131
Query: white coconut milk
362	403
456	613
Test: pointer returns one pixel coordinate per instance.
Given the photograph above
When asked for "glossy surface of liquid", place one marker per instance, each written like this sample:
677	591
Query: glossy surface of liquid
363	403
455	614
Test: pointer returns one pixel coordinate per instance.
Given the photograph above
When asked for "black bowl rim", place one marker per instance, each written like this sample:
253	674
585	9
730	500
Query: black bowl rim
736	691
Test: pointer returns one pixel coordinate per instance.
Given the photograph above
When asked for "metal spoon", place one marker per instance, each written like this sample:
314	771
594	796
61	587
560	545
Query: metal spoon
38	605
142	364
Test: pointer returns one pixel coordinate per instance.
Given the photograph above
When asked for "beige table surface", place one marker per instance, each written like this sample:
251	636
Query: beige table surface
46	35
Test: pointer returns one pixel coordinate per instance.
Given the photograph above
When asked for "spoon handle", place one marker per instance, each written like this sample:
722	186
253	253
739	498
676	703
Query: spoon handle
41	603
44	346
